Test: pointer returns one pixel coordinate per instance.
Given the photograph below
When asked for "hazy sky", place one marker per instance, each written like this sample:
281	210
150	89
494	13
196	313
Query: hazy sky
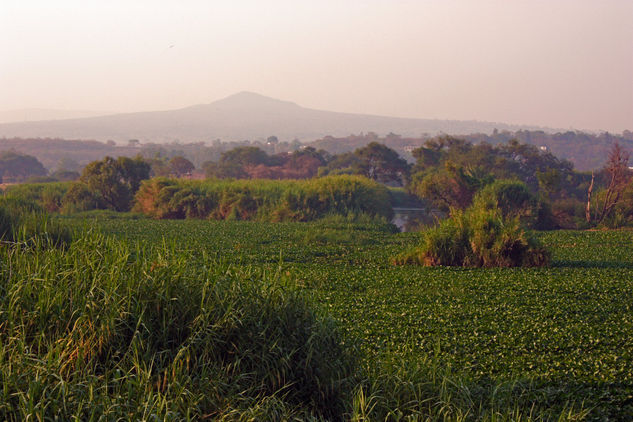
557	63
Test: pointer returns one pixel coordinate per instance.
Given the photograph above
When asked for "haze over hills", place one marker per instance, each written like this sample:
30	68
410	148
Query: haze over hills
36	114
241	116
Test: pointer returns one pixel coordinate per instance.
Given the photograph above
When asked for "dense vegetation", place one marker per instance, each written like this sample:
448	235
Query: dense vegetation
586	151
107	330
263	200
289	200
490	233
255	163
439	342
24	223
449	172
160	323
106	184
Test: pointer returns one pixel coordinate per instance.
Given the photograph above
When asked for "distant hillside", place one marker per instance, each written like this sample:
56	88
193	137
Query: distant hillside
35	114
238	117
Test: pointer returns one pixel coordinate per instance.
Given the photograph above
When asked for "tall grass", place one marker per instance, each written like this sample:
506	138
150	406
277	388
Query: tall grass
264	200
25	222
48	196
478	237
108	330
397	390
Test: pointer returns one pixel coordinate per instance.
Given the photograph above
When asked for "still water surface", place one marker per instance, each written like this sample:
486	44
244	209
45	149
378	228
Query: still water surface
414	219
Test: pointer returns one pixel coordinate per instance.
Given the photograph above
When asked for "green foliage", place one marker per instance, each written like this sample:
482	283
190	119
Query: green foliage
180	166
41	179
379	162
24	223
115	181
622	214
512	198
244	156
485	235
48	196
452	186
254	163
449	171
402	199
263	200
374	160
79	198
439	342
109	331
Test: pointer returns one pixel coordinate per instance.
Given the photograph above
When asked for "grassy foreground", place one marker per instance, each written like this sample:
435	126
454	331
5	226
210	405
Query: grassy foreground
407	343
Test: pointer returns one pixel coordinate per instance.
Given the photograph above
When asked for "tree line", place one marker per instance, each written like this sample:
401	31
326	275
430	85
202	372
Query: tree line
447	172
587	151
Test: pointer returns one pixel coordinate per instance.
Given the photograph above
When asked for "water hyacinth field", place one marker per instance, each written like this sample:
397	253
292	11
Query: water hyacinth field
383	342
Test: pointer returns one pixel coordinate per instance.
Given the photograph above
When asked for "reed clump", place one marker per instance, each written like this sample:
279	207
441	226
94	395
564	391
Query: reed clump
481	236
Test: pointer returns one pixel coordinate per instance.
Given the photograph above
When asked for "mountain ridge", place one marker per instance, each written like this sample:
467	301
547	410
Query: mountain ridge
244	115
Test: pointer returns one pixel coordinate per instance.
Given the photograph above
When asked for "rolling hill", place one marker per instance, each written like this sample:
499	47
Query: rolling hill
241	116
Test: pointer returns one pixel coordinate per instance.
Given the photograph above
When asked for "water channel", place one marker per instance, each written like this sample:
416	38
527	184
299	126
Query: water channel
414	219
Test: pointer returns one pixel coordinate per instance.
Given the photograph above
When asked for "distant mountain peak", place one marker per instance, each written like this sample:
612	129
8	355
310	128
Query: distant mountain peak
245	115
249	100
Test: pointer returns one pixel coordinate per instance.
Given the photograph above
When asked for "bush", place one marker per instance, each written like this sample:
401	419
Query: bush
478	237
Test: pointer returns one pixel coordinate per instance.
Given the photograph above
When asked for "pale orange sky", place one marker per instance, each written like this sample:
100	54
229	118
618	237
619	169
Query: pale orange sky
557	63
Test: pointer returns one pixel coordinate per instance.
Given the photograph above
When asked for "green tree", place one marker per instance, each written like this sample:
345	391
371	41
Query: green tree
17	167
233	162
452	186
116	181
133	171
344	163
159	167
180	166
381	163
65	175
80	197
221	170
244	156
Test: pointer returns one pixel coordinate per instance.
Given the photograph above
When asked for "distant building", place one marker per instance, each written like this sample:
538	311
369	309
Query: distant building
410	148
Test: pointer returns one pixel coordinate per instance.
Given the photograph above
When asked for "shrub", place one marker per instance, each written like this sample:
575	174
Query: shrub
478	237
